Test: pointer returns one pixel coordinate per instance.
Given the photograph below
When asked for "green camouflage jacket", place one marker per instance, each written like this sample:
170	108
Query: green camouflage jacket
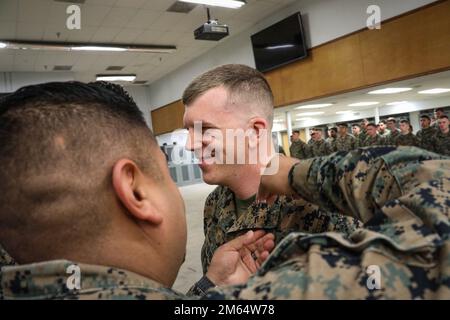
392	137
426	138
375	141
441	142
56	280
403	251
222	223
345	143
299	150
407	140
320	148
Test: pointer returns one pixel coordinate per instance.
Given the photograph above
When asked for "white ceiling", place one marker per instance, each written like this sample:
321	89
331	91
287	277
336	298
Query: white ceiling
341	102
116	21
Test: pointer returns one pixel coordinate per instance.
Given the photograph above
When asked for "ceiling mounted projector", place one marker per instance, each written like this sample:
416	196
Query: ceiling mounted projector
211	30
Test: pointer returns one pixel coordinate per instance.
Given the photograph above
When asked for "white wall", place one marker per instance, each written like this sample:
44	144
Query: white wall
324	20
11	81
140	95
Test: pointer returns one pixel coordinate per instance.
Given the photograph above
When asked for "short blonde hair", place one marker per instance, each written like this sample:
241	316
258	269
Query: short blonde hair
244	84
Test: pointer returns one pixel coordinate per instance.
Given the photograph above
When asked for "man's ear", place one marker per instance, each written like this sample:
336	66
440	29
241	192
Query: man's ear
260	130
132	188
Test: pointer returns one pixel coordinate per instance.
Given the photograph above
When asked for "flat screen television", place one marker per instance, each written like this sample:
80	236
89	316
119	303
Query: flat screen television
279	44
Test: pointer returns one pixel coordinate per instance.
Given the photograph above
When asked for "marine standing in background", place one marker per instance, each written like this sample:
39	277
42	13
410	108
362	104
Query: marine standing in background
406	137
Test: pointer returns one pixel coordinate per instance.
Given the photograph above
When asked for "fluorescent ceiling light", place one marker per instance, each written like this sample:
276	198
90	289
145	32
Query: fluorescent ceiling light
315	106
93	47
396	103
344	112
363	104
309	113
278	120
233	4
303	119
435	91
116	77
390	90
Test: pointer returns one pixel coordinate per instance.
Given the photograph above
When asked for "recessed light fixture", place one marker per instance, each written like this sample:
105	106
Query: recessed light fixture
396	103
390	90
344	112
97	48
435	91
310	113
314	106
93	47
116	77
233	4
363	104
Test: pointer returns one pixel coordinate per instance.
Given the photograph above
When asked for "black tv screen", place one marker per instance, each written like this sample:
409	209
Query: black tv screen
279	44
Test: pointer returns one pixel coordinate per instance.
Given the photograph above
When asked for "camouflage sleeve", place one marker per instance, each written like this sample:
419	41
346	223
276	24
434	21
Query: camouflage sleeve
208	225
356	183
403	250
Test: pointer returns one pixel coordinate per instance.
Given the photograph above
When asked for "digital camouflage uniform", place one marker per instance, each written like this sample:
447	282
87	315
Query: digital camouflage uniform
222	223
320	148
299	150
426	138
408	139
441	142
392	137
345	143
403	198
360	139
374	141
385	133
48	280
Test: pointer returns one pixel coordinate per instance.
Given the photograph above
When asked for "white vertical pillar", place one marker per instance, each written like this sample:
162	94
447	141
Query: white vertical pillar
377	115
414	121
307	135
289	124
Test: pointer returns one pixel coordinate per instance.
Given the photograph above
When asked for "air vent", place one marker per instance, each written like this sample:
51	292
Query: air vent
181	7
115	68
140	82
62	68
71	1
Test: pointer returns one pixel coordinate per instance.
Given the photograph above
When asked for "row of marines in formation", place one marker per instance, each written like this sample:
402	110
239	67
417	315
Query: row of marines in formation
435	138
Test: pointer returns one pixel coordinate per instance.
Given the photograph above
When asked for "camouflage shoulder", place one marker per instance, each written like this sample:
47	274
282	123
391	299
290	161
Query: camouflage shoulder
62	280
5	258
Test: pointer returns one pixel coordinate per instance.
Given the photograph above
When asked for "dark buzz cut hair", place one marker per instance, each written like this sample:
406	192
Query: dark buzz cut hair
371	124
58	144
424	116
245	85
404	121
296	131
439	109
443	117
356	125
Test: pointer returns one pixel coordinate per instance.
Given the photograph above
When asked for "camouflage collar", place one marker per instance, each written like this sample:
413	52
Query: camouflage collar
258	216
5	258
56	280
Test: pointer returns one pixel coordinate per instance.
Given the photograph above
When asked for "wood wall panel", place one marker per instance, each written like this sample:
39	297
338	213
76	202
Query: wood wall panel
407	46
168	118
413	45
